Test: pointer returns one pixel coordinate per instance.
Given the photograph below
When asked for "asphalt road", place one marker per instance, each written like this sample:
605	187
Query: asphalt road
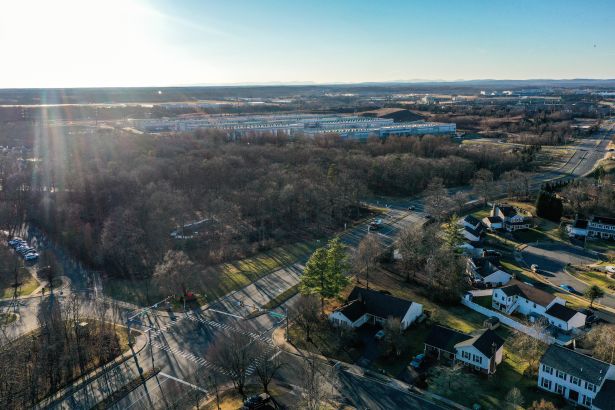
552	258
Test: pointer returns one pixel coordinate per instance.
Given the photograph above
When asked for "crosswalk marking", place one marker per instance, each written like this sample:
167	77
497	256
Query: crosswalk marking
193	358
212	323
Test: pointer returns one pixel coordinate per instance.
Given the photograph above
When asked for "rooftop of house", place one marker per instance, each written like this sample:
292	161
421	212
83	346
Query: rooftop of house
561	312
474	232
494	219
605	399
472	220
528	292
576	364
487	342
507	210
445	338
580	224
362	301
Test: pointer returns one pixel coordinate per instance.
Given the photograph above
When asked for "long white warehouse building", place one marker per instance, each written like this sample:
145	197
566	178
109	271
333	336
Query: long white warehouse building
296	124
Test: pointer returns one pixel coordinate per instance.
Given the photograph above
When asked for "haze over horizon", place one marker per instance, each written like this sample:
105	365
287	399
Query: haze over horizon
132	43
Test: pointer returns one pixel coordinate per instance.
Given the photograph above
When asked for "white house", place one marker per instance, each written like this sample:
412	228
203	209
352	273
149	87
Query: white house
581	379
594	227
523	298
565	318
370	306
470	221
512	220
471	234
481	351
485	271
493	223
527	300
579	228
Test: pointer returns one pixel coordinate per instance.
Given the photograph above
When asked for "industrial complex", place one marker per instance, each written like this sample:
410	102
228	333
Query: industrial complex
355	127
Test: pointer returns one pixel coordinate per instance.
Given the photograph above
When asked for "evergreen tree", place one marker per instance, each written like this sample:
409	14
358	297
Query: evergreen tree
325	272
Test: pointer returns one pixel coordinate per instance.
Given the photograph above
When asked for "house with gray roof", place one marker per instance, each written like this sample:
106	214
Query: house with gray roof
481	351
595	227
577	377
373	307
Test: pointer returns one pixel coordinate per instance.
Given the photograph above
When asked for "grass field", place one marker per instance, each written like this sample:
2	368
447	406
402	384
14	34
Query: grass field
216	281
594	278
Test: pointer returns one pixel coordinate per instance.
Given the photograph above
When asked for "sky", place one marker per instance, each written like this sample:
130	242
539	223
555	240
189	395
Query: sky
94	43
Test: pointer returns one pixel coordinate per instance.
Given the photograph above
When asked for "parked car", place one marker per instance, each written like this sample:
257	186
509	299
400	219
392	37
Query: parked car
491	253
31	256
411	208
417	361
256	402
535	268
568	288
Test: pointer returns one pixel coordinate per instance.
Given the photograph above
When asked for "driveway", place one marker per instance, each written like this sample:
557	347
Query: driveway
552	258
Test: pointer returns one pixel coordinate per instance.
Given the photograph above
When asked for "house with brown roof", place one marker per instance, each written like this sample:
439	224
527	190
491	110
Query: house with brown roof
374	307
529	301
482	351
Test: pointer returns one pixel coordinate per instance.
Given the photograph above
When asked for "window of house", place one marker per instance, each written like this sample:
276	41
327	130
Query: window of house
575	380
465	355
560	375
591	387
546	383
547	369
587	401
560	389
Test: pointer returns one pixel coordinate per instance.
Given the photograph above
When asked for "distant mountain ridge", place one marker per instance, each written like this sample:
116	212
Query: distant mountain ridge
187	93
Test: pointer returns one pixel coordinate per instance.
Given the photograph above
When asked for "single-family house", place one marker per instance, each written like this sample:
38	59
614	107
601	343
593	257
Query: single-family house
481	351
487	271
471	235
594	227
512	220
523	298
529	301
493	223
470	221
565	318
581	379
579	228
370	306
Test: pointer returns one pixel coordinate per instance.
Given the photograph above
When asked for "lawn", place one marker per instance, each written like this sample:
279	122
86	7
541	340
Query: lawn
216	281
602	246
593	278
480	214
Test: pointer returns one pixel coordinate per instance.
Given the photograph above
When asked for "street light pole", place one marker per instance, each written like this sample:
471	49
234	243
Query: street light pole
287	334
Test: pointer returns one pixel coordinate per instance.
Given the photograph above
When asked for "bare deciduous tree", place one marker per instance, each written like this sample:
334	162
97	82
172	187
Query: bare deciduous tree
601	339
268	365
317	380
235	354
367	255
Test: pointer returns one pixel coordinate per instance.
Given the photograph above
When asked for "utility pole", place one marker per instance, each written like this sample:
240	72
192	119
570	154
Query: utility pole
286	314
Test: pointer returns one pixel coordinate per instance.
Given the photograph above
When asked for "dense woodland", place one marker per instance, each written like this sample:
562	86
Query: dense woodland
113	199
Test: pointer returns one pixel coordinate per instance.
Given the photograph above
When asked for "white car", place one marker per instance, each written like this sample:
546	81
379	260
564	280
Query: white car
534	268
610	269
31	256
